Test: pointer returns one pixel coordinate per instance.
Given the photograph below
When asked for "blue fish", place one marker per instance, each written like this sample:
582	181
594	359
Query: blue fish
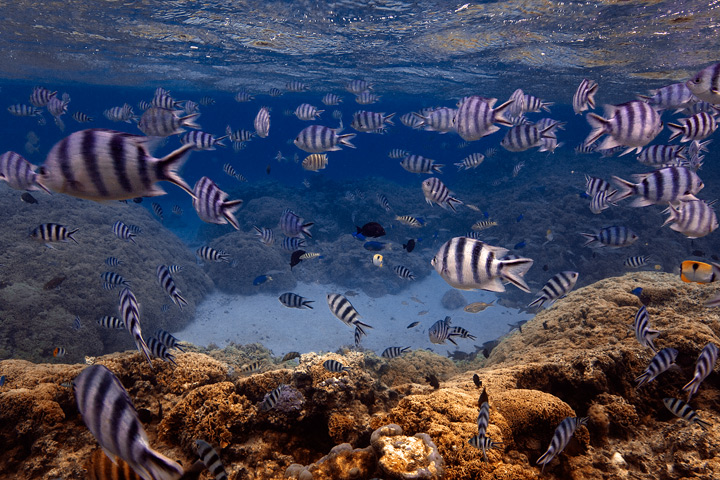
2	380
374	246
636	291
519	245
486	214
520	217
359	236
261	279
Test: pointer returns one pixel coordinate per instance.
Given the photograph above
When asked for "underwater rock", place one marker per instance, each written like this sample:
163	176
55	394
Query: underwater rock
403	457
342	463
453	299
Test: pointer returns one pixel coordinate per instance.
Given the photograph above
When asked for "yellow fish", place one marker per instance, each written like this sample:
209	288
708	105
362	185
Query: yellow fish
478	307
483	224
692	271
377	260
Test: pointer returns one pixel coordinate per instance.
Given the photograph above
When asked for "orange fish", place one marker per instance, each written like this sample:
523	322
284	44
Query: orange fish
692	271
58	352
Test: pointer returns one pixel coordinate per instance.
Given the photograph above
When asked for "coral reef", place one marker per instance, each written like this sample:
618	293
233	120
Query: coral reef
43	289
577	358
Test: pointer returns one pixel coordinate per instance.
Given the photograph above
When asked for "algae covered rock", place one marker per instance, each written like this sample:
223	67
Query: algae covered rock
403	457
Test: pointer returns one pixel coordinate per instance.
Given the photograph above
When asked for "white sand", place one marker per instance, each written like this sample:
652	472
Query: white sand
223	318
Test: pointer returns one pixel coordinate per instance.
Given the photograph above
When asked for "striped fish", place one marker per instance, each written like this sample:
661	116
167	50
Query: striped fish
561	437
698	127
384	202
292	225
524	137
19	173
484	414
662	155
53	232
242	96
212	255
163	99
296	86
659	363
110	416
403	272
392	352
119	114
292	243
584	98
114	279
293	300
614	237
409	220
175	268
471	161
211	459
122	231
526	103
21	110
364	121
602	201
100	467
476	117
557	287
703	367
275	92
307	112
319	139
411	120
168	284
163	122
633	125
176	210
636	261
705	85
441	331
683	410
211	204
484	443
255	366
331	99
262	122
159	350
239	135
134	229
357	86
367	98
594	185
271	398
694	219
461	332
665	185
335	366
157	209
359	332
40	96
130	314
107	165
469	264
398	153
267	237
420	164
644	334
675	96
191	107
202	140
441	120
516	169
167	339
483	224
344	311
315	162
108	286
435	191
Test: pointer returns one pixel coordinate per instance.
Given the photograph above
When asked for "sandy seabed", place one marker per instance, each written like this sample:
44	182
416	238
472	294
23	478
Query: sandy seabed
222	318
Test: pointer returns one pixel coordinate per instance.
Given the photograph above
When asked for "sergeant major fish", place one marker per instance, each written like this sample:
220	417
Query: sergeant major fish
293	300
633	125
84	165
476	117
211	459
163	122
561	437
557	287
319	139
435	191
643	333
584	97
110	416
703	367
613	237
683	410
19	173
130	314
659	363
670	184
212	205
168	284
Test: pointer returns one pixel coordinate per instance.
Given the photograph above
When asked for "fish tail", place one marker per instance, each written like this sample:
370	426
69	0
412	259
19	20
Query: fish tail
306	303
537	302
437	167
70	235
673	215
499	114
345	139
514	270
691	387
168	166
305	229
591	238
179	301
189	121
546	457
625	189
142	347
159	467
388	120
228	209
598	125
676	130
219	141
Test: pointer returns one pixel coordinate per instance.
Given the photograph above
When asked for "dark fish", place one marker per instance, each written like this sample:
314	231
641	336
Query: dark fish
413	324
290	356
267	169
295	257
54	283
410	245
476	380
545	267
371	229
697	253
519	245
335	366
432	380
110	416
520	217
27	198
3	379
137	200
637	291
489	346
374	246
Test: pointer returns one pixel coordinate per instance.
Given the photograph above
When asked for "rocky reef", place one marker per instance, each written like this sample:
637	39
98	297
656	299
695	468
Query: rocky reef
42	289
382	419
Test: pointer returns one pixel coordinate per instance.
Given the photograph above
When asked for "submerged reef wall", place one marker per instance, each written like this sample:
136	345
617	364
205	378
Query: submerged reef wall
577	358
42	289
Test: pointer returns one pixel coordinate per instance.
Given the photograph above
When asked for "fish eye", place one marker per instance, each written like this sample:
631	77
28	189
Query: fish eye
41	171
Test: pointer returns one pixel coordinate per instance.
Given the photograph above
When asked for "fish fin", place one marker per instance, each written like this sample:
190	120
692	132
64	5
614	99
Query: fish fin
598	125
228	208
676	130
538	302
305	229
70	235
189	121
437	167
345	139
159	467
387	118
625	189
591	238
168	166
514	270
499	114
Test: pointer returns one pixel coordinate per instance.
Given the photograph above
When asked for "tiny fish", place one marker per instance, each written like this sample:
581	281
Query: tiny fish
159	350
476	380
476	307
3	379
59	352
27	198
290	356
76	323
167	339
432	380
335	366
293	300
259	280
423	312
252	367
643	333
413	324
52	232
484	443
